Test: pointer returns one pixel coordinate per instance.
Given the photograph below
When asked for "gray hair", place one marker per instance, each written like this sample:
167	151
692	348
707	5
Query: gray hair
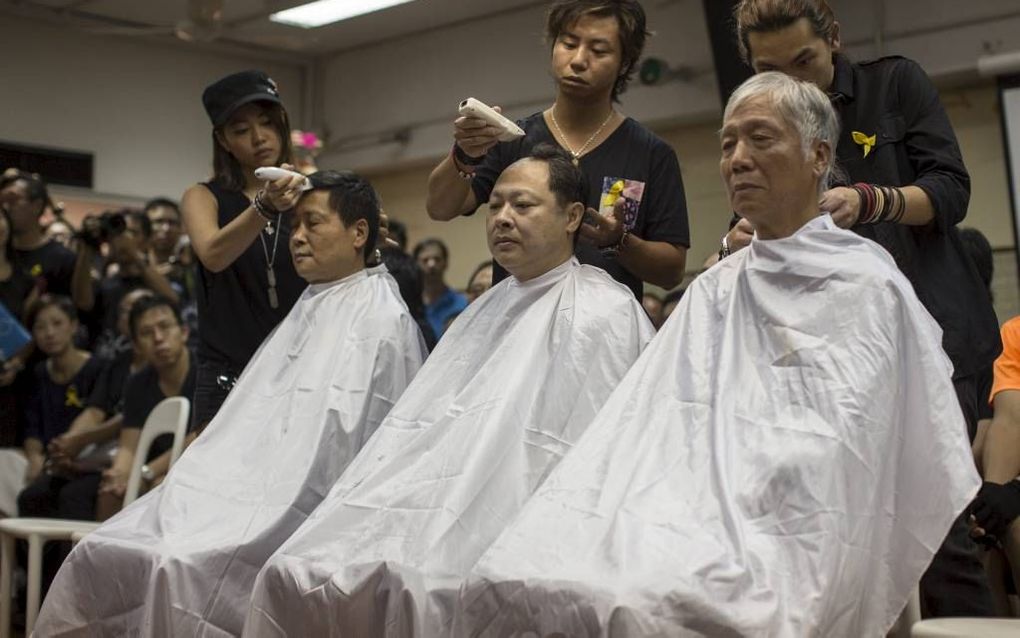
800	103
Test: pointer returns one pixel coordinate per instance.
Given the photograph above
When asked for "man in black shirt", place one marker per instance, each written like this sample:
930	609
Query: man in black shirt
637	230
159	334
25	198
906	188
127	235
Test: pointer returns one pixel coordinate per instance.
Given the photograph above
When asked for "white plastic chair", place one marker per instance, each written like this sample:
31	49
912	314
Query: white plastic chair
910	616
170	416
910	625
967	628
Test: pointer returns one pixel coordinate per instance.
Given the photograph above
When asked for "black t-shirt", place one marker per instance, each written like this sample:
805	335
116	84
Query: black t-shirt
108	395
234	315
52	407
15	290
142	393
50	262
892	99
633	163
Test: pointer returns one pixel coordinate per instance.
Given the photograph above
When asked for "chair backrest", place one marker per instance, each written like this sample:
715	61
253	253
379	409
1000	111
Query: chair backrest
170	416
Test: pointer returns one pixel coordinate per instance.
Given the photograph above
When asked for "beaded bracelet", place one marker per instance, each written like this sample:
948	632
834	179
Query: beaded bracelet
265	210
455	156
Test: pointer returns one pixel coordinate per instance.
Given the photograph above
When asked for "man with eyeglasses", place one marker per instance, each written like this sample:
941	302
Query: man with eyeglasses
165	217
167	254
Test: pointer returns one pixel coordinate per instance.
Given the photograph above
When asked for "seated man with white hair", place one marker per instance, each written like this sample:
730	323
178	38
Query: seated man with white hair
181	561
785	458
511	386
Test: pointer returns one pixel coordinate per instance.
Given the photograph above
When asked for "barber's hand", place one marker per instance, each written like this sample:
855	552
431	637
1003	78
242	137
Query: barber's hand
607	230
385	241
474	135
740	235
996	506
283	193
844	204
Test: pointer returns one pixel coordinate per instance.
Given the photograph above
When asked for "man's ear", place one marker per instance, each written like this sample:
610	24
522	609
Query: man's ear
360	229
821	156
575	214
834	44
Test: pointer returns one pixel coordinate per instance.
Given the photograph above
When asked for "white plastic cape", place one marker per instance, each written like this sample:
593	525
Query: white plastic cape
512	385
182	560
784	460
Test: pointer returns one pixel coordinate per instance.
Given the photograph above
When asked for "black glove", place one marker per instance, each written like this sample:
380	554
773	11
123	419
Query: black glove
996	506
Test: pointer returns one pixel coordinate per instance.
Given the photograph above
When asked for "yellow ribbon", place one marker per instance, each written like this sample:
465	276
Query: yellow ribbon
36	270
71	399
865	141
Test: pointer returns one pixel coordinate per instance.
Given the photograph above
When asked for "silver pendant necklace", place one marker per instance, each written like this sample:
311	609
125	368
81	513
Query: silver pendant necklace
274	300
577	154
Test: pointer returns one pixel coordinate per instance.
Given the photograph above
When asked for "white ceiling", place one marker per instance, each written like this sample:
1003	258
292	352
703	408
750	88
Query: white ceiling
246	23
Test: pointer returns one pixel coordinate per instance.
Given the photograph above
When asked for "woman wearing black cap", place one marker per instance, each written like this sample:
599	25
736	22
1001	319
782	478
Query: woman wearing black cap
246	280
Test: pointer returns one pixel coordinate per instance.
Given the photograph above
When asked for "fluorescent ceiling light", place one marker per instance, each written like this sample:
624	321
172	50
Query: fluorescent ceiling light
316	14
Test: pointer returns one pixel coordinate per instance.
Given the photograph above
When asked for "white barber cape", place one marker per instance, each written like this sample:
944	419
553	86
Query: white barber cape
182	560
512	385
784	460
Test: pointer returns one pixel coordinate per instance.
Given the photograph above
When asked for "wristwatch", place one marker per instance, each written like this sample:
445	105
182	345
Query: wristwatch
613	250
148	474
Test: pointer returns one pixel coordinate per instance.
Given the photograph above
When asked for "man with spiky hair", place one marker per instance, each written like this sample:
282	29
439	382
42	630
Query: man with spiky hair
637	228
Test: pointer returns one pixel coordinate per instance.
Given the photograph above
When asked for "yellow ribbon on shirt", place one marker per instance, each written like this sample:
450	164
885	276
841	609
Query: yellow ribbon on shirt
867	142
71	399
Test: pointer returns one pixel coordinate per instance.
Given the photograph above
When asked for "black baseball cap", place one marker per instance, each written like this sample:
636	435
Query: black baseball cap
223	97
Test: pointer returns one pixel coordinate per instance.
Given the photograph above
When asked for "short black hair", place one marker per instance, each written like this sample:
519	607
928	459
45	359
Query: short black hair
60	302
431	241
147	303
143	220
479	268
35	187
353	198
411	282
566	181
162	202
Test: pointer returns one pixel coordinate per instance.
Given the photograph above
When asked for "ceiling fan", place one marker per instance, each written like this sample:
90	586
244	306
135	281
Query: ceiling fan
203	23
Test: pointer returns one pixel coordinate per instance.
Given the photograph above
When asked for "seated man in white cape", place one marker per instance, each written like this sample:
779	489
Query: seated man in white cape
783	460
182	560
512	385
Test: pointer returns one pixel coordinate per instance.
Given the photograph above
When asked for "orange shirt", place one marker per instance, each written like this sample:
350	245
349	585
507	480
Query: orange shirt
1007	366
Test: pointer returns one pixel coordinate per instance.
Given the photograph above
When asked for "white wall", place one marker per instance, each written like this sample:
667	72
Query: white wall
136	106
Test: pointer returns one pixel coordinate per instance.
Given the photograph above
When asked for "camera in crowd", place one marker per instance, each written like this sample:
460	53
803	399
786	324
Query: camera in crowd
99	229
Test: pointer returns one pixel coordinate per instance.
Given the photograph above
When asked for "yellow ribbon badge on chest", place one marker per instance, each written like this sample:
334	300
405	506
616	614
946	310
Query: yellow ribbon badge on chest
71	399
867	142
